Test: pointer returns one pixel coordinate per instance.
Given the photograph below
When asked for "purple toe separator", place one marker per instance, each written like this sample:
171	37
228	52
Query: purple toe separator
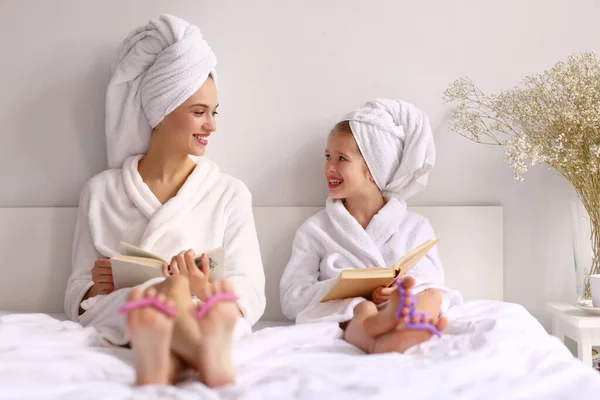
411	311
207	305
148	301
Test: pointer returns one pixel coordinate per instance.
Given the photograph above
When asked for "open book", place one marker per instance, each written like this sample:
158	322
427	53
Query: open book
135	266
361	282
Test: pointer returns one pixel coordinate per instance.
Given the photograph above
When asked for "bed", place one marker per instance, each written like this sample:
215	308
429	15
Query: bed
491	349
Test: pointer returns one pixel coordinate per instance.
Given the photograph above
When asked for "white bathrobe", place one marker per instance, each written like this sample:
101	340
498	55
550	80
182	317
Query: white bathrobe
210	210
332	240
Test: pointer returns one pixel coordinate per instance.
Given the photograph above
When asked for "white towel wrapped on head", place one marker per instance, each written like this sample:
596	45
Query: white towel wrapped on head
397	144
158	67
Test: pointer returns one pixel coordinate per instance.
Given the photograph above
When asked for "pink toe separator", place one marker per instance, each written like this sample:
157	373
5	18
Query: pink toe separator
411	311
206	306
148	301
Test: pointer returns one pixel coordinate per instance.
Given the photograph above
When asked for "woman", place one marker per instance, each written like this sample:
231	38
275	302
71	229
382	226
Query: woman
163	197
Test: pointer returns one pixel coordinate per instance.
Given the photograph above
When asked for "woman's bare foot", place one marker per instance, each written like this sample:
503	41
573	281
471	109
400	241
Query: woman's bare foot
150	331
216	329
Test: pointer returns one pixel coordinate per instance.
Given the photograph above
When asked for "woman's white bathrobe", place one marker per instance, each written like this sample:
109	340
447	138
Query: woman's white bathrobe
332	240
210	210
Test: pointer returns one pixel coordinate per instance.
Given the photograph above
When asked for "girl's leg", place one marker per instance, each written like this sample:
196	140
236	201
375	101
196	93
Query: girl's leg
391	333
428	301
380	331
354	332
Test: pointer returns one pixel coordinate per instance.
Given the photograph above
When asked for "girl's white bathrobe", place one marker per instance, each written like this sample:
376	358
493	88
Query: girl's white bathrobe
210	210
332	240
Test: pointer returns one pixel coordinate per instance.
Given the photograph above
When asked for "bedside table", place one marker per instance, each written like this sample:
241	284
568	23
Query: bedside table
583	328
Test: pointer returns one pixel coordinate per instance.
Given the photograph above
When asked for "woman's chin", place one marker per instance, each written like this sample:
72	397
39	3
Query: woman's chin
336	195
197	151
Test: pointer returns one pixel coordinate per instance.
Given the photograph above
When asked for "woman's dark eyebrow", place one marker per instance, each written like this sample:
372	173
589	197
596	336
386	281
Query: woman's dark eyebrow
202	105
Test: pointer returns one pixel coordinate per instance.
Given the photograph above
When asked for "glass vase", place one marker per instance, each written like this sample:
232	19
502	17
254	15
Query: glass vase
583	250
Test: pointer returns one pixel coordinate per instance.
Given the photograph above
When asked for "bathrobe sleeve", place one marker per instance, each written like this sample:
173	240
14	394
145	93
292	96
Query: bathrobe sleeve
300	286
84	254
243	262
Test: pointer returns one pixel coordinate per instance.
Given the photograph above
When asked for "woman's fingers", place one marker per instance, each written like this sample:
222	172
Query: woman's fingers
183	268
174	267
205	266
189	261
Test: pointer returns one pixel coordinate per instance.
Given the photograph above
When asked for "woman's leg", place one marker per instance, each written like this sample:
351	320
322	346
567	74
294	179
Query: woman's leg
216	327
151	331
203	344
186	336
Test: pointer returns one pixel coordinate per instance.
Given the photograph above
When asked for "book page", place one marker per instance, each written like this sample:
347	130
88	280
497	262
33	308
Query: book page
131	250
411	258
127	273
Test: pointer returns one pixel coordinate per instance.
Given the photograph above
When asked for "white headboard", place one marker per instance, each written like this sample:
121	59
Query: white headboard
35	252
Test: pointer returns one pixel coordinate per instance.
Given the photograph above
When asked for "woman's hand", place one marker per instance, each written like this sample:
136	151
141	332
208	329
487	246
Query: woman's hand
185	264
102	277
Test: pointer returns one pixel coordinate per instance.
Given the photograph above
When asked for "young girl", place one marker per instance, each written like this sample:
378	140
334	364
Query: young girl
162	196
376	158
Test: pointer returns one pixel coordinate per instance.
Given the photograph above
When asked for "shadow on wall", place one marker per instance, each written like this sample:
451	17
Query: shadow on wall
61	130
300	179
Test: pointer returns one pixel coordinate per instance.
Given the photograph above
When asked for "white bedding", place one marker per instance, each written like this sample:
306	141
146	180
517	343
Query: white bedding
491	350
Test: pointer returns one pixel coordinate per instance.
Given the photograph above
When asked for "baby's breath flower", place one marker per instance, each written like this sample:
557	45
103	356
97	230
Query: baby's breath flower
550	118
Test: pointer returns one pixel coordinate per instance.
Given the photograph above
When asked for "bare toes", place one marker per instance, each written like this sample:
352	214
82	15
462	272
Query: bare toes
408	282
206	292
227	286
161	297
135	294
442	323
151	292
217	288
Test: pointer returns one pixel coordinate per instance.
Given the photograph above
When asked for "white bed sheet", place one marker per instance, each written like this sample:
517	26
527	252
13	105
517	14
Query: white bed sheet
491	350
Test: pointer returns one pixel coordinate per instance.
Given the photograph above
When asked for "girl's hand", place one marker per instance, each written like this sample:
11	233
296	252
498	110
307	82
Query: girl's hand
382	294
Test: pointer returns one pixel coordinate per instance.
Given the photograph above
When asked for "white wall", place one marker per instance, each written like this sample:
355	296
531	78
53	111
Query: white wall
287	70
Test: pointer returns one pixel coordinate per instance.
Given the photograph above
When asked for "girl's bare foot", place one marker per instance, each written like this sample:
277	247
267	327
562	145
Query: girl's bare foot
355	333
401	339
385	320
390	332
150	331
216	329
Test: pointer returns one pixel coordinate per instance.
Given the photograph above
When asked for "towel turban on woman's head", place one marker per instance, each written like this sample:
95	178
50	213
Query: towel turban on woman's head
397	144
158	67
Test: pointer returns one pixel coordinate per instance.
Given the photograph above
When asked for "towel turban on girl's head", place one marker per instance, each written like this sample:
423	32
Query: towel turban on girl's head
397	144
158	67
